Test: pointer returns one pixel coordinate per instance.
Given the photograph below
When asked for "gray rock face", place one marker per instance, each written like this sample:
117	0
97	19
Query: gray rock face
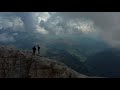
20	64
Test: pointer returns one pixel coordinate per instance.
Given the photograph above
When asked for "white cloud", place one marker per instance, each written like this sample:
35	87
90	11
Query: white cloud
41	15
84	26
59	25
41	30
11	22
17	22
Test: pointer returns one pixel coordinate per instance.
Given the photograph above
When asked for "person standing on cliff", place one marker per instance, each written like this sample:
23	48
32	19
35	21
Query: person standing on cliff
34	50
38	49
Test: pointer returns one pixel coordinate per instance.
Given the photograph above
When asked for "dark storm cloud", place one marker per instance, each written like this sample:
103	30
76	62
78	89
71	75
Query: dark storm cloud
105	24
9	24
101	19
27	19
59	24
6	38
9	20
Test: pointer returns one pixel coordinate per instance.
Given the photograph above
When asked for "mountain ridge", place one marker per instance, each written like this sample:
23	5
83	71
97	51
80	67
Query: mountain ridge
22	64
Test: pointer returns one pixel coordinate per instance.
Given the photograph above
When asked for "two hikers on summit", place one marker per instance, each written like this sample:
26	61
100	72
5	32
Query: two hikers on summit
34	49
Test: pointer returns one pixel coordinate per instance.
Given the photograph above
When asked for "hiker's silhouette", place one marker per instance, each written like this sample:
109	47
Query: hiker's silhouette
38	49
34	50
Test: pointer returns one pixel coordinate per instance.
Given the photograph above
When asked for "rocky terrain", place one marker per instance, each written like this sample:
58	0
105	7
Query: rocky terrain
22	64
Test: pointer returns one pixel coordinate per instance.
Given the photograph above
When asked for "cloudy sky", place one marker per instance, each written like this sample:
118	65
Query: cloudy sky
103	25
